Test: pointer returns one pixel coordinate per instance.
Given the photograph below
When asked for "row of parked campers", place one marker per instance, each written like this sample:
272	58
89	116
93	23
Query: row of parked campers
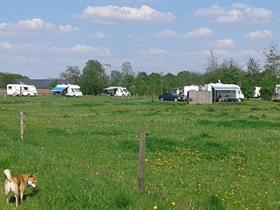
219	92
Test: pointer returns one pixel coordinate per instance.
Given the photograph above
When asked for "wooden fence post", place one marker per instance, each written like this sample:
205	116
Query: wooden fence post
142	138
21	124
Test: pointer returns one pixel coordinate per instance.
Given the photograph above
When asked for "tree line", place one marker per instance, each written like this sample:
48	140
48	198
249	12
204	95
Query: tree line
93	77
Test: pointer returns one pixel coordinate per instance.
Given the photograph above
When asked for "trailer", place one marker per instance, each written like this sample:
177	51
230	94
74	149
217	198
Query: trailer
67	90
226	92
257	93
21	90
116	91
277	93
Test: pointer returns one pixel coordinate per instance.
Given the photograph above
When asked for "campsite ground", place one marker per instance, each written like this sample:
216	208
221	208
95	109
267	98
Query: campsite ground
85	153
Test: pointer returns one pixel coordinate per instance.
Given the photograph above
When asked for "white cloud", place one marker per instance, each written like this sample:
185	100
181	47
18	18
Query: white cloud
110	14
260	14
212	11
86	50
199	33
98	35
4	26
153	52
257	35
34	24
166	34
236	13
225	43
5	45
231	16
67	29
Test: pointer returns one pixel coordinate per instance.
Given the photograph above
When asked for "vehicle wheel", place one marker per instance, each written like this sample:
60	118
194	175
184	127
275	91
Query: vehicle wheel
161	99
239	100
175	99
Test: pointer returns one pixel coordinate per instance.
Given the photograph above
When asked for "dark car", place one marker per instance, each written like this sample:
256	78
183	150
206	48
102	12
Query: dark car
170	97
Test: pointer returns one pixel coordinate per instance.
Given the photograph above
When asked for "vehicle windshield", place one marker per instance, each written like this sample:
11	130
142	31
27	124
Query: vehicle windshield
125	90
76	90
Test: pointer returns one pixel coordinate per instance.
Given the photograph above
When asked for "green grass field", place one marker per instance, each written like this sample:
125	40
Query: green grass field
85	153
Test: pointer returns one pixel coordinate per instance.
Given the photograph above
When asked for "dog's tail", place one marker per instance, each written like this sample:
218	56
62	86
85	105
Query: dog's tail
8	174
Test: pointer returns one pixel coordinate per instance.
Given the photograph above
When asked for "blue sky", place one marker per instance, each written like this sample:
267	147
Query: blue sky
39	38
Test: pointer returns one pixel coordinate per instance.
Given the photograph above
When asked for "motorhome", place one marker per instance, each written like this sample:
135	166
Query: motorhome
67	90
116	91
226	92
21	90
277	93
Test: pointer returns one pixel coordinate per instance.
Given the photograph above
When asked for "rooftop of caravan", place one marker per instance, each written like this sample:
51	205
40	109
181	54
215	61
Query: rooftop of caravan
112	88
221	86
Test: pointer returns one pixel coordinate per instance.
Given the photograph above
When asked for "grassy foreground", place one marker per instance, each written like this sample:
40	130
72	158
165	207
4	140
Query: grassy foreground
85	153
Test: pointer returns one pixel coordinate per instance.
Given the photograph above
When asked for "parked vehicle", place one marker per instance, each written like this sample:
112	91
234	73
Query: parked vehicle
67	90
277	93
257	93
170	97
116	91
226	92
21	90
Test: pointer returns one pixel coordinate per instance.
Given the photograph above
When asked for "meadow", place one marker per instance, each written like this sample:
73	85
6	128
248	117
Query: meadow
85	153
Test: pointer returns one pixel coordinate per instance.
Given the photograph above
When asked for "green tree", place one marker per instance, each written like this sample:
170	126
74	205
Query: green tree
93	78
71	75
7	78
253	67
128	76
140	83
272	65
154	84
116	78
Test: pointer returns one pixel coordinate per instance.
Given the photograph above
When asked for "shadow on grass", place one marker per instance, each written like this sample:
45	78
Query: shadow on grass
214	203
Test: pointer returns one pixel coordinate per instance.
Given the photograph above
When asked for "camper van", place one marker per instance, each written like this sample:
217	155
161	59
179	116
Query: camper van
21	90
226	92
277	93
116	91
67	90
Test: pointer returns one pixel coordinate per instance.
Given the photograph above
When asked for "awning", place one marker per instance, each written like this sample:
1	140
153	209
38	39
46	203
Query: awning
58	89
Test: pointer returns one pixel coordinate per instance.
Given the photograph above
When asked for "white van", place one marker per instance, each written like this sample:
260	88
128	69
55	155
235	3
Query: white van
277	93
21	90
226	92
67	90
116	91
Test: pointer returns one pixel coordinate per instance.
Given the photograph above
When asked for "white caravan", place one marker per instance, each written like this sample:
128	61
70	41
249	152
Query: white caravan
226	92
277	93
257	93
67	90
21	90
116	91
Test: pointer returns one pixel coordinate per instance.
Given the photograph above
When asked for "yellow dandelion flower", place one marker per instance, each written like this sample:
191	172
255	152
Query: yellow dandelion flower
173	203
155	207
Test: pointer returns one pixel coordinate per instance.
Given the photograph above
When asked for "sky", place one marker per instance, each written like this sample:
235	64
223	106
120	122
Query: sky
40	38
